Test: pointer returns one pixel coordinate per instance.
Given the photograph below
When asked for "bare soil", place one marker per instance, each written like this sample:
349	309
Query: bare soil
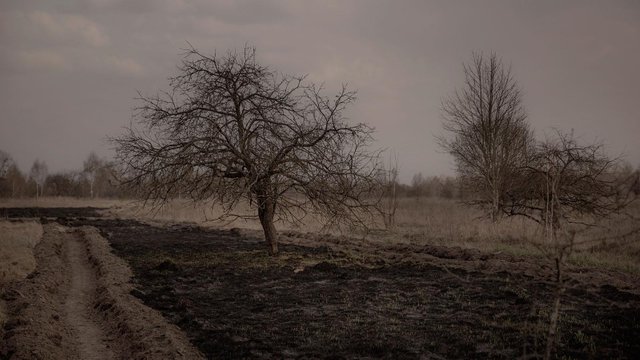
80	315
325	297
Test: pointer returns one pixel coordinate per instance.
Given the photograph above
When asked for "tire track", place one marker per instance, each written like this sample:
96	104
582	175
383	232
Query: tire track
93	343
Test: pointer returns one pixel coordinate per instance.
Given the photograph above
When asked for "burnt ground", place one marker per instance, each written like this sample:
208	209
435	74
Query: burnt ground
328	297
234	301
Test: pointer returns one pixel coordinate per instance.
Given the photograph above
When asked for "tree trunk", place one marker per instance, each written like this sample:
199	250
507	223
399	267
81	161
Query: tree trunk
555	311
495	205
266	213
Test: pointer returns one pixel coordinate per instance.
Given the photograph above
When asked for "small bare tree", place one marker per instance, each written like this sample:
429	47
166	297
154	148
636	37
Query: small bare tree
566	187
390	193
490	137
38	174
93	170
232	130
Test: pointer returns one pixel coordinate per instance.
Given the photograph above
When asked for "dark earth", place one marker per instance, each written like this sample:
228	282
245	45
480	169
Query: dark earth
327	298
42	212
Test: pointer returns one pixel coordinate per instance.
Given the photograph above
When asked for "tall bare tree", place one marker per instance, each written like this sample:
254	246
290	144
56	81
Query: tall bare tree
389	180
489	134
232	130
38	175
92	168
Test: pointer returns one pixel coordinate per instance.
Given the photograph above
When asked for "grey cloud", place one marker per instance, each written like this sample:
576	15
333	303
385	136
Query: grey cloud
576	62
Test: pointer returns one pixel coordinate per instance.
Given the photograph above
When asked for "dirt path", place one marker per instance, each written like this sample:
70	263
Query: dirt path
77	305
92	341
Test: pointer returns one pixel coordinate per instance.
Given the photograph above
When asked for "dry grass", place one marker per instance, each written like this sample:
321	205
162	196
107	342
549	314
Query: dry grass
426	221
438	222
16	253
613	245
206	214
17	241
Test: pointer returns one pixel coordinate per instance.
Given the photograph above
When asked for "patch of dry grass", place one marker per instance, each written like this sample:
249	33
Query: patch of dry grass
435	221
16	253
17	241
205	214
614	244
430	221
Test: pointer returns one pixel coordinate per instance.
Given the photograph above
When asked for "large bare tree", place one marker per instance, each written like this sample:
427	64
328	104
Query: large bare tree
489	137
232	130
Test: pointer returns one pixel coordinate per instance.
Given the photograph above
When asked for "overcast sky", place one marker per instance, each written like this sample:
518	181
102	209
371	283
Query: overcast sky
70	70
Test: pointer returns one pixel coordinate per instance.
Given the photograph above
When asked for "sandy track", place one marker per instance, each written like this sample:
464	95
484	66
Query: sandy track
80	315
76	305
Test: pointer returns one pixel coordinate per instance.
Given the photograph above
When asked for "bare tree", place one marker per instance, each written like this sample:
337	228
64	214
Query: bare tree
38	174
490	137
565	182
92	169
567	188
232	130
390	183
418	184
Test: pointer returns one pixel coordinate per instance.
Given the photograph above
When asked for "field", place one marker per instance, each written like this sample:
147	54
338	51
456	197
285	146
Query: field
442	284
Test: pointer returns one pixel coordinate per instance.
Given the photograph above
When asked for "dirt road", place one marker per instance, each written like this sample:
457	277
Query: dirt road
76	305
87	327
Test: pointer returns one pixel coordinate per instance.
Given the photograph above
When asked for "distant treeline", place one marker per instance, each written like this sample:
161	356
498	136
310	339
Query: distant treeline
95	179
421	186
98	178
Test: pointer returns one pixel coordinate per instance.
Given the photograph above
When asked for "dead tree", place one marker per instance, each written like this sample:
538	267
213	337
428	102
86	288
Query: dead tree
231	130
489	134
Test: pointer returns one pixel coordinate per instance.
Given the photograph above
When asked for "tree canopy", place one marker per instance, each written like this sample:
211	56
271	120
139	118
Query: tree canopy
232	130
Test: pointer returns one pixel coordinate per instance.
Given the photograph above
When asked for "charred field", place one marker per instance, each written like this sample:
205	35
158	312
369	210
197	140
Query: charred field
337	297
